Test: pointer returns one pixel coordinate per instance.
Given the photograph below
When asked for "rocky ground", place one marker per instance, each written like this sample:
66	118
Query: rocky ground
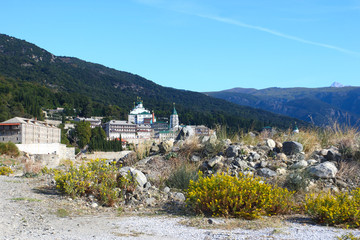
30	209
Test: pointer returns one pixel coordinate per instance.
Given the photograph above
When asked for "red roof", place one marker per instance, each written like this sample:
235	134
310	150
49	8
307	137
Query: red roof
9	124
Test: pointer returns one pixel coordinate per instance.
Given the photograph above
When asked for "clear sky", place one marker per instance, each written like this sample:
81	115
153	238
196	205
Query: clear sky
200	45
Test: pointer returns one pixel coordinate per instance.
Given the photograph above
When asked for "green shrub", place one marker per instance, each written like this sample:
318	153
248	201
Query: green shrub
340	208
244	196
297	181
5	170
180	177
96	178
9	148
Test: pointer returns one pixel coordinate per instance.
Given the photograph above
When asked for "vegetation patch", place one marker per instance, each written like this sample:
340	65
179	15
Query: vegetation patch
94	178
335	209
62	213
5	170
181	176
26	199
244	196
9	149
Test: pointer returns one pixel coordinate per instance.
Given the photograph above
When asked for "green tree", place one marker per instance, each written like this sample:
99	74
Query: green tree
82	133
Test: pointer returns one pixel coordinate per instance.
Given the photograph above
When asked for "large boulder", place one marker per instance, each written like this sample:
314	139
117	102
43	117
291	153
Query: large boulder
232	151
299	165
138	176
291	148
323	170
166	146
266	172
129	159
215	160
185	133
270	143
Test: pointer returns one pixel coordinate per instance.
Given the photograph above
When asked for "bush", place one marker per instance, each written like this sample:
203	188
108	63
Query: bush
94	178
244	196
341	208
5	170
180	177
297	181
9	148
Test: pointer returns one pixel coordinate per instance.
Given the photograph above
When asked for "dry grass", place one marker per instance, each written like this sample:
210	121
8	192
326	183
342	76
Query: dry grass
142	149
339	135
349	170
32	167
190	146
307	137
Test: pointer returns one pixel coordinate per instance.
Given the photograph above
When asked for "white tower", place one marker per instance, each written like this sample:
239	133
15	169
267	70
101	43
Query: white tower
174	120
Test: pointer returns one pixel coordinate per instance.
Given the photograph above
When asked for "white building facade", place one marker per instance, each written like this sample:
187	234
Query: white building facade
28	131
140	115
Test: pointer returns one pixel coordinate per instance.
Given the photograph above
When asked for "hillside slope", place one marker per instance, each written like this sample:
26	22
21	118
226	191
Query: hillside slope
322	106
94	89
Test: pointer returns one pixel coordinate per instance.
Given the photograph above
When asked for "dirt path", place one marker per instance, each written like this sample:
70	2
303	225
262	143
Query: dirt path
29	211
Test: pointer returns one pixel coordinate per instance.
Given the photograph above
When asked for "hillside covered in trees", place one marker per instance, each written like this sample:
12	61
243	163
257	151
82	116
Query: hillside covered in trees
32	79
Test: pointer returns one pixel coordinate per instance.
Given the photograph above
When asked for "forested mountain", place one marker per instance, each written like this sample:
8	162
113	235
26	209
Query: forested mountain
32	78
322	106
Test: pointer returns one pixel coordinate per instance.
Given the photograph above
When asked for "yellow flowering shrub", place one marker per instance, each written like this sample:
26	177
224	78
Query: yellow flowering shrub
335	209
97	178
243	196
5	170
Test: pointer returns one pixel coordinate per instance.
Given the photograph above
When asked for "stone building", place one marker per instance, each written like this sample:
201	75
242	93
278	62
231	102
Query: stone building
126	130
140	115
174	120
94	122
28	131
120	129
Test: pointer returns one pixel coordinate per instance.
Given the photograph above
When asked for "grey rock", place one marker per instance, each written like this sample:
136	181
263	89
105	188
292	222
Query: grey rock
281	156
241	164
332	155
214	161
166	190
270	143
266	172
227	142
94	205
263	164
150	201
166	146
185	133
232	151
323	170
139	177
179	197
154	149
147	185
175	149
194	158
281	171
341	183
324	152
255	156
291	148
299	165
312	161
252	164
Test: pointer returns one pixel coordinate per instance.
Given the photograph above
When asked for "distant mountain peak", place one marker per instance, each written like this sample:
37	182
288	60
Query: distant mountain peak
337	85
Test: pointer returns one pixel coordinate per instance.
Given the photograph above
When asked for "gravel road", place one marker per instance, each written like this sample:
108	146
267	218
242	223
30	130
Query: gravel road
28	211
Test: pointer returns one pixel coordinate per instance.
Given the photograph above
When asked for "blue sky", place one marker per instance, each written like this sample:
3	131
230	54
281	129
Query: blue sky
200	45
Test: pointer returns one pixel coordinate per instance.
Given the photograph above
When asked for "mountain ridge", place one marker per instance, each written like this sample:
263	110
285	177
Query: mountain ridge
95	89
321	106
